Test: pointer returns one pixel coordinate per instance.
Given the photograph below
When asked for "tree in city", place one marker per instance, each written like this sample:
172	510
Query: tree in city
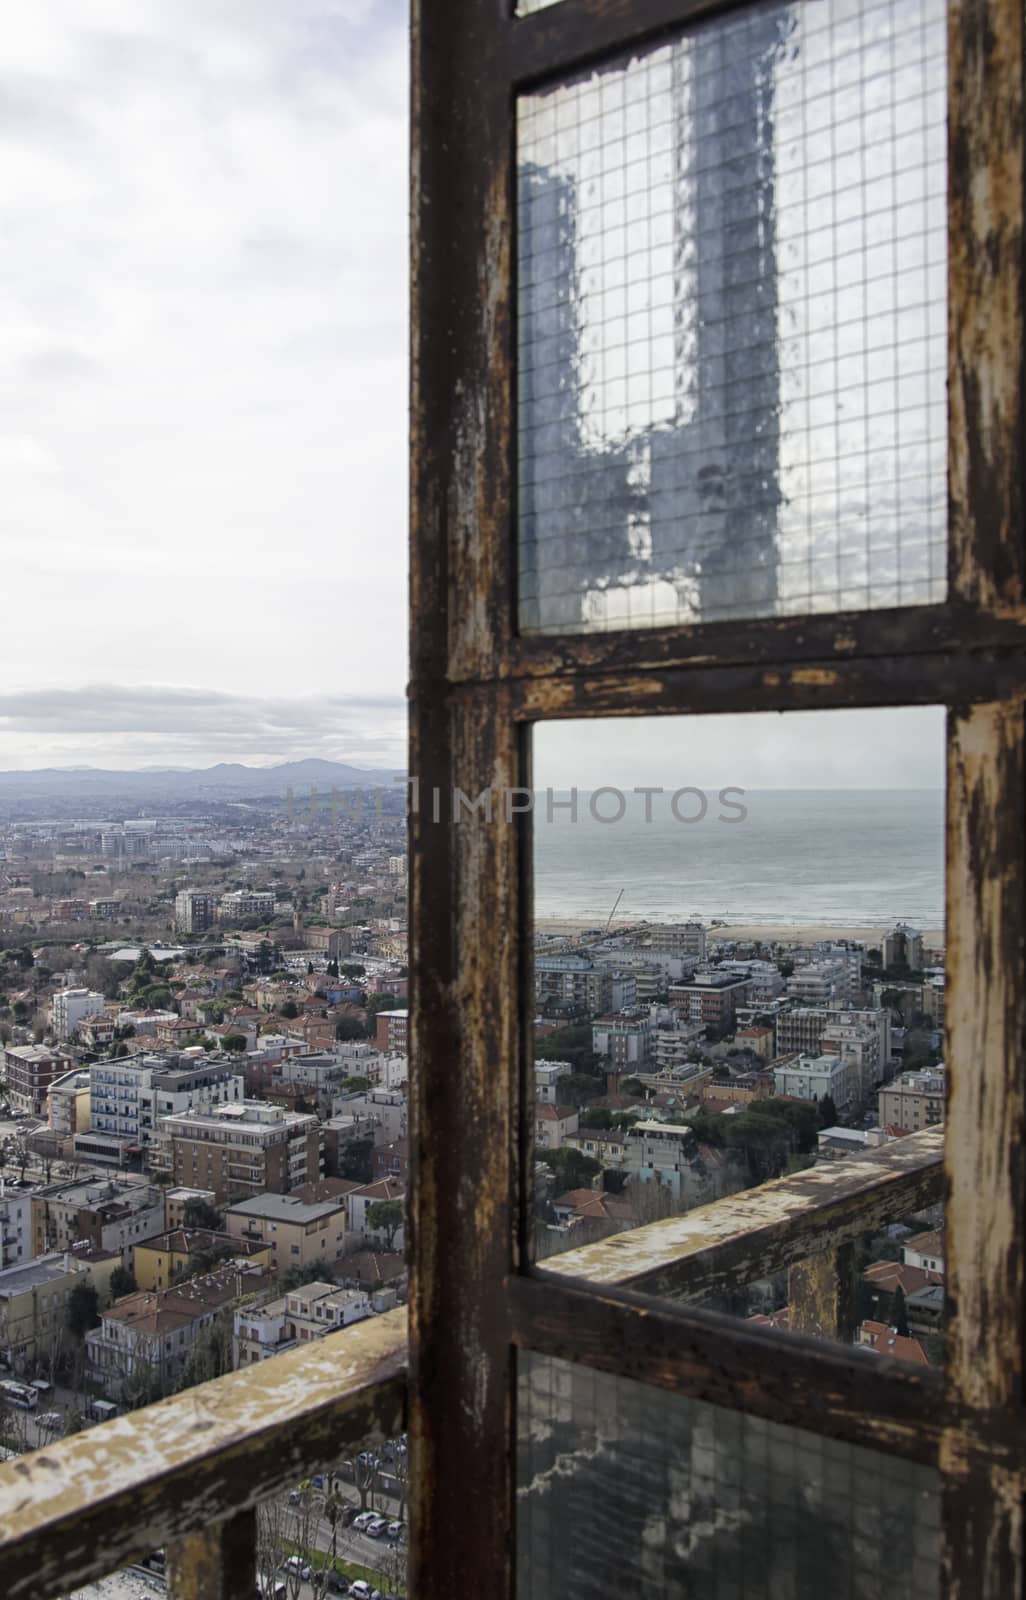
143	1387
234	1043
199	1213
354	1161
83	1309
899	1312
350	1028
573	1169
386	1216
211	1354
356	1084
334	1509
289	1009
827	1112
122	1282
307	1272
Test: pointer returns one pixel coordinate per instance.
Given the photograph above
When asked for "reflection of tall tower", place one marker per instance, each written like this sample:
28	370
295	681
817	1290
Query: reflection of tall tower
575	500
706	480
714	476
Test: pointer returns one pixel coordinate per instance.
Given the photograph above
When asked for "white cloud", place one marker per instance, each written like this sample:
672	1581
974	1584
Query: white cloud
202	341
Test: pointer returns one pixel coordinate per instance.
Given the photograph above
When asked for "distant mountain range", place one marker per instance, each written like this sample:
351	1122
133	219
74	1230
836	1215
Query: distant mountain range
229	779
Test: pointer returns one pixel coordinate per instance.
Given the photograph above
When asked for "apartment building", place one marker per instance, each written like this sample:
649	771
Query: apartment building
571	984
296	1232
194	910
34	1301
813	1078
818	983
154	1332
765	980
162	1260
108	1213
914	1100
801	1028
67	1104
711	998
391	1031
15	1222
239	903
69	1007
30	1069
625	1038
903	946
858	1045
307	1313
242	1149
546	1079
675	1045
678	938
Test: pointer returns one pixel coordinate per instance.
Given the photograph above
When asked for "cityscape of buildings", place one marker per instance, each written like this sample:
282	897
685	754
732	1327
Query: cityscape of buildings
204	1133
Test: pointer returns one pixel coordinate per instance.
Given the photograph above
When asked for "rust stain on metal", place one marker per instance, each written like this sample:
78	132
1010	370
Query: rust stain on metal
986	349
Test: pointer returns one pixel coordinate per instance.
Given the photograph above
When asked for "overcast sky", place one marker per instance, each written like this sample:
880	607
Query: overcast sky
203	365
203	429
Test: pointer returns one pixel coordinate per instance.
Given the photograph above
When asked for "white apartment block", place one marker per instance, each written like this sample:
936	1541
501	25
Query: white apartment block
813	1078
68	1008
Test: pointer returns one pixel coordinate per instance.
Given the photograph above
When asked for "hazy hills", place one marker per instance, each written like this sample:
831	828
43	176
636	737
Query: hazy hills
228	780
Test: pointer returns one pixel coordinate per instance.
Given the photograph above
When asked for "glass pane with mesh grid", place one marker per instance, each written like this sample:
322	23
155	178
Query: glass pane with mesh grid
625	1489
732	323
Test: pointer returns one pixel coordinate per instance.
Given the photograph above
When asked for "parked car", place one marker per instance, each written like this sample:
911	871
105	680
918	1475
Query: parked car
362	1590
361	1522
336	1584
297	1564
395	1530
376	1528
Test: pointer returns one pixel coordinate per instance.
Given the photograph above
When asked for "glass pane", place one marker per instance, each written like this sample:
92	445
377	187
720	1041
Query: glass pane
625	1489
739	1012
732	347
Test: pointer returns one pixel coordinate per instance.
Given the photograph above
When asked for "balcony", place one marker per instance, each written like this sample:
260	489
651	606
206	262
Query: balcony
190	1471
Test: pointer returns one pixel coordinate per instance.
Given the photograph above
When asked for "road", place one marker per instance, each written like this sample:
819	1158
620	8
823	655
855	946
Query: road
350	1545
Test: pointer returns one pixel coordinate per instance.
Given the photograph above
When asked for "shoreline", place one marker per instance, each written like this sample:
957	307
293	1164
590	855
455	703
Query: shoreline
784	933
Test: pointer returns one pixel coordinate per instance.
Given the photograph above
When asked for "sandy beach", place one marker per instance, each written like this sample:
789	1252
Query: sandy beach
792	933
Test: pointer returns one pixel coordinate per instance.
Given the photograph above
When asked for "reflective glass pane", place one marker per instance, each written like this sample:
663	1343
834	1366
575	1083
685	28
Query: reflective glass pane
732	309
625	1489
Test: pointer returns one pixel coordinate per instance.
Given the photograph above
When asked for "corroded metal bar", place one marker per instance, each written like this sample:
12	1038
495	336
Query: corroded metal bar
833	684
464	886
821	1294
87	1505
986	1157
928	630
217	1563
763	1230
843	1391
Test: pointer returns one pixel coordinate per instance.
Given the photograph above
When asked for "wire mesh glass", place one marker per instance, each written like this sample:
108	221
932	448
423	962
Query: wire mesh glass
626	1489
732	323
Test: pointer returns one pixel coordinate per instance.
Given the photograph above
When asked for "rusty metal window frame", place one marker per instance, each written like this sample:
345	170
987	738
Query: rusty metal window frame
476	687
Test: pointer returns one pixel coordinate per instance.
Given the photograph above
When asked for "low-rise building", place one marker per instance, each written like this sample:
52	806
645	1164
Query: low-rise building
153	1333
34	1301
552	1124
546	1079
107	1213
814	1078
914	1100
310	1312
391	1031
296	1232
162	1261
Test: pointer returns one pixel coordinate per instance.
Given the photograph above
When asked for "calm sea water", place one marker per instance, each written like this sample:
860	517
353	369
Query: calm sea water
839	856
